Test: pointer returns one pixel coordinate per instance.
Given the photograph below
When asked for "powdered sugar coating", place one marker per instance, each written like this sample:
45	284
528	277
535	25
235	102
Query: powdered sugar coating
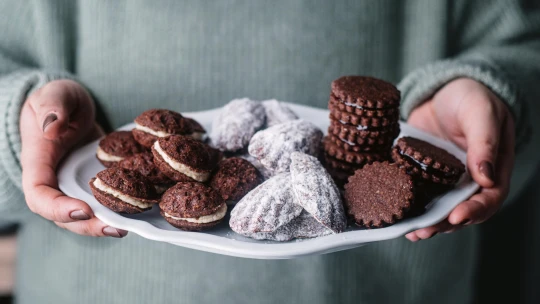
266	208
316	192
303	226
273	146
277	112
234	126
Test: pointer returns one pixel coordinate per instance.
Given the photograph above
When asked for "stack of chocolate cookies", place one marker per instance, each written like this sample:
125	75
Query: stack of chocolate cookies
364	115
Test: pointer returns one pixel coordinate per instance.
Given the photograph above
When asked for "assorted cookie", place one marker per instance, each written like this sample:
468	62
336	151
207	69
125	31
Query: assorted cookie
278	169
123	191
144	164
378	195
234	178
234	126
302	203
183	158
192	206
364	122
159	123
116	146
273	147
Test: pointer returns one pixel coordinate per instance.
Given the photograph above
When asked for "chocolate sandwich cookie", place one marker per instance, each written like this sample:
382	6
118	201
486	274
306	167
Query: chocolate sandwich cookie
424	160
183	158
363	135
359	158
364	122
365	93
123	191
116	146
158	123
144	164
378	195
192	206
234	178
335	105
367	144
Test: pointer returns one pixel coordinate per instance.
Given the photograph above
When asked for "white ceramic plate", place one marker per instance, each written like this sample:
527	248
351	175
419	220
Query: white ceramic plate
81	165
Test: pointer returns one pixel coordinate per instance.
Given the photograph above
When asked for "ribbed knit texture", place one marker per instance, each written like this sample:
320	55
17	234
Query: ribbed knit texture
195	55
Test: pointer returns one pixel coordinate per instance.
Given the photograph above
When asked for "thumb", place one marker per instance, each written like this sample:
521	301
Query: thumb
482	129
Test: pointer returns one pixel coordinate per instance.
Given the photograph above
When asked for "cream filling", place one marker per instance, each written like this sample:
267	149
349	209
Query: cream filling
198	176
150	131
104	156
195	135
219	214
99	184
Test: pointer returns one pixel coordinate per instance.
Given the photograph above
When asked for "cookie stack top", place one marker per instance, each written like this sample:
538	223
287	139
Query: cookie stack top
364	115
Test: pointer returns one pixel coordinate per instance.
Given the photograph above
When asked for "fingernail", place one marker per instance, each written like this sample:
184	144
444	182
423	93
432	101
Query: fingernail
465	222
48	120
486	169
79	215
117	233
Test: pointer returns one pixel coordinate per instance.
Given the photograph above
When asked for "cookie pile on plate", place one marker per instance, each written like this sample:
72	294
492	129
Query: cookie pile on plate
364	115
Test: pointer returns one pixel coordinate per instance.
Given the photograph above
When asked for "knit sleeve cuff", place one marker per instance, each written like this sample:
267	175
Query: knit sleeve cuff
14	89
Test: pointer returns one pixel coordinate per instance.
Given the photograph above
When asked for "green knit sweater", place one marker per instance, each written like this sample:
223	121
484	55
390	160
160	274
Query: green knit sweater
195	55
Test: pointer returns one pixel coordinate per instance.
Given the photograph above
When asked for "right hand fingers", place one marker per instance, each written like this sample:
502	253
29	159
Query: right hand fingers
93	227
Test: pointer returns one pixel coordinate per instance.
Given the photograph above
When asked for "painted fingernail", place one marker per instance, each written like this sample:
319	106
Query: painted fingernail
486	169
79	215
465	222
48	120
117	233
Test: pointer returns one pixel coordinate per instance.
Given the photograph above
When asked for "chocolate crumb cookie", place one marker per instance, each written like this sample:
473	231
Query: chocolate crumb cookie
365	92
431	163
192	206
158	123
234	178
123	190
183	158
197	129
116	146
378	195
144	164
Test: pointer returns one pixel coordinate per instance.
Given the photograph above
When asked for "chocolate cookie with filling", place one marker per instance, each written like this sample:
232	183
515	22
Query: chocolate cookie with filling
183	158
426	161
197	129
192	206
158	123
116	146
378	195
234	178
123	191
334	104
368	144
144	164
366	92
359	158
361	135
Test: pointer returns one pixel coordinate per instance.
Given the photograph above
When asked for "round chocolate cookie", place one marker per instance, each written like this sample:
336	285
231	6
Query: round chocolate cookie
144	164
368	144
431	163
335	105
378	195
123	191
183	158
116	146
366	92
359	158
157	123
364	136
192	206
234	178
364	122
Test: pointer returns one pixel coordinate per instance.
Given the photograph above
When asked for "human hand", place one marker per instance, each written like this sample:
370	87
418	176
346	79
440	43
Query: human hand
54	119
467	113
